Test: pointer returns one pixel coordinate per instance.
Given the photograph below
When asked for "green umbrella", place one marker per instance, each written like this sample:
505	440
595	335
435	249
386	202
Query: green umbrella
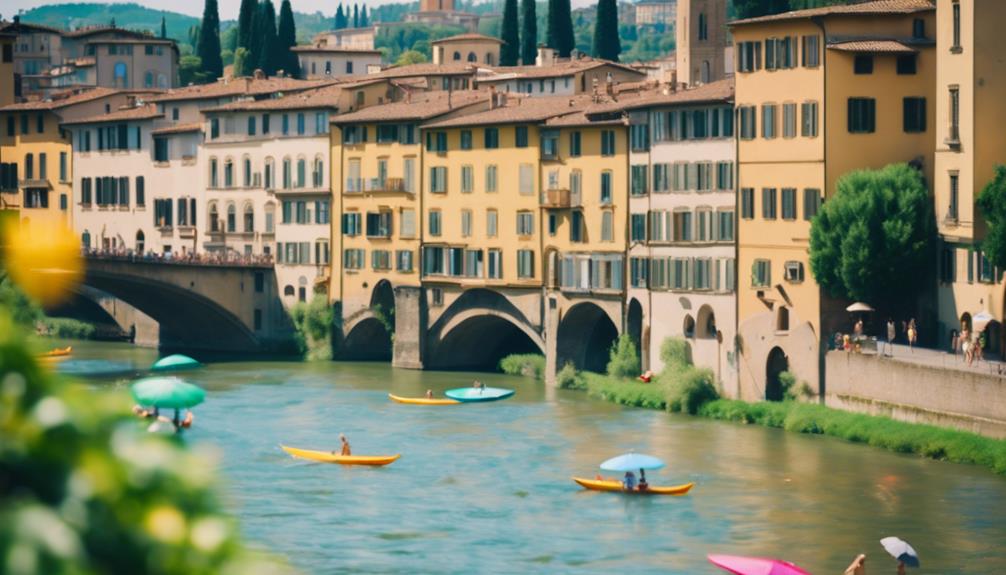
167	392
175	362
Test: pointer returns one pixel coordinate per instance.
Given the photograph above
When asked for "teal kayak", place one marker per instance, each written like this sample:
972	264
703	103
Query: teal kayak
174	363
474	394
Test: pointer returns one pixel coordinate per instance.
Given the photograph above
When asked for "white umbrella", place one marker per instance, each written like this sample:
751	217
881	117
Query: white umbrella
980	320
859	306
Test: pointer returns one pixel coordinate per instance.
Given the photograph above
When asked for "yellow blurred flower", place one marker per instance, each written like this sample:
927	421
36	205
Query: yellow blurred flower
166	524
44	260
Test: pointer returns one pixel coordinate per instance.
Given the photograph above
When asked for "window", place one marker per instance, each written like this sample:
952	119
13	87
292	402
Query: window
438	179
914	115
380	259
29	167
214	128
491	172
703	225
407	223
954	196
956	47
24	123
761	273
703	27
141	196
725	226
606	187
808	127
288	174
639	137
747	121
466	139
768	127
492	222
321	122
434	224
12	122
948	264
40	123
918	28
286	126
793	271
403	260
661	177
863	64
160	149
747	203
789	120
379	224
748	56
811	51
466	223
408	175
491	138
467	179
43	166
300	125
270	218
495	267
811	203
251	125
436	142
525	264
768	203
607	142
525	224
907	64
526	180
862	115
682	228
955	114
724	175
789	203
232	218
351	222
549	144
228	173
353	259
521	136
265	121
301	172
574	144
249	218
638	180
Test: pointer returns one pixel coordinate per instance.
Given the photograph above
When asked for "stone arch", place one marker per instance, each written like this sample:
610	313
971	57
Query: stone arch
472	57
705	323
634	326
367	340
585	336
688	326
776	364
140	245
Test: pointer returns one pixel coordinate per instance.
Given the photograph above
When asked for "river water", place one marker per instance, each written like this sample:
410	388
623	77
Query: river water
486	488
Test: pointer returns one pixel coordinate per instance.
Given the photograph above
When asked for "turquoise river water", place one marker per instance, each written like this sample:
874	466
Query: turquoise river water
486	488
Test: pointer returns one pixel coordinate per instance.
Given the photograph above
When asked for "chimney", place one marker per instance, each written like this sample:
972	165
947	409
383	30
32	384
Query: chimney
492	97
502	99
259	74
545	57
609	85
674	80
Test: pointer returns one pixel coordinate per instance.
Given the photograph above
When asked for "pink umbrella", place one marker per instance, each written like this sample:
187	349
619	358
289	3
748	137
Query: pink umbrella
755	565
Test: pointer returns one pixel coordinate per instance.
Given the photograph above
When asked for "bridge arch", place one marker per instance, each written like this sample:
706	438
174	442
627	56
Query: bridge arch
369	332
586	333
477	330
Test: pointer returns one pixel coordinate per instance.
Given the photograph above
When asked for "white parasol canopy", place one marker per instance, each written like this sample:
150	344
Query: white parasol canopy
859	306
980	320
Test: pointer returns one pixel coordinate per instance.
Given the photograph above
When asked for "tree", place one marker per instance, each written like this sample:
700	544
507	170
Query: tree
606	43
992	203
510	50
268	56
364	20
208	47
410	57
873	241
559	35
190	70
528	32
755	8
246	17
340	18
164	27
286	38
356	16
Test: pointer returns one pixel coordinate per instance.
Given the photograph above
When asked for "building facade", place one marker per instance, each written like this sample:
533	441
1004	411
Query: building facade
320	62
470	48
701	35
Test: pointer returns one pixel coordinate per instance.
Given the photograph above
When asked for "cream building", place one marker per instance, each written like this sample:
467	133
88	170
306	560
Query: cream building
470	48
970	96
858	95
559	78
322	61
682	229
659	14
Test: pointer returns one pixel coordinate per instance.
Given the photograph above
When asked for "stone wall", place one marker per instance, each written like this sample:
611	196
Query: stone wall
905	391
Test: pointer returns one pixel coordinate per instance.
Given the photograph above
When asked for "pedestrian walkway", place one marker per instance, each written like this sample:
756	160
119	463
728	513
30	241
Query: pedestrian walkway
941	358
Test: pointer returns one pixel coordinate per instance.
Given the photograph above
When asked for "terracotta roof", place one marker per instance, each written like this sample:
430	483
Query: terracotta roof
557	70
147	112
468	38
61	100
244	86
413	70
325	97
146	40
335	50
876	7
420	107
178	129
874	46
10	27
719	91
91	31
521	110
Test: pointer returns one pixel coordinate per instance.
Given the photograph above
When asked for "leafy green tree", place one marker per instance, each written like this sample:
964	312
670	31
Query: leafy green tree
268	55
241	57
623	360
559	35
286	36
509	33
873	241
208	46
364	20
340	18
606	43
992	203
246	16
410	57
755	8
528	32
190	70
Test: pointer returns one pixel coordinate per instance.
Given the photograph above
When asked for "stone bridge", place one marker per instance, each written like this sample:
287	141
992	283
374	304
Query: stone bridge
220	307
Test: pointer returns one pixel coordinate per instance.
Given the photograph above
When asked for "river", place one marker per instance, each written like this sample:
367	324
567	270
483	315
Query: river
486	488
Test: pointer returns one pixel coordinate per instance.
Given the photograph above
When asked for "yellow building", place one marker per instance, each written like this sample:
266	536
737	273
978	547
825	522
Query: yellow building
377	162
819	93
36	172
970	111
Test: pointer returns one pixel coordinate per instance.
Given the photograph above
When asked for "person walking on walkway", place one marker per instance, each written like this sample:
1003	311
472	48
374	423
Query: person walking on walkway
965	340
913	334
891	333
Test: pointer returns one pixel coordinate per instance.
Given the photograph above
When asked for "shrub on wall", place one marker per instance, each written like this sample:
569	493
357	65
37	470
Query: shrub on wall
623	358
313	323
525	364
675	351
690	390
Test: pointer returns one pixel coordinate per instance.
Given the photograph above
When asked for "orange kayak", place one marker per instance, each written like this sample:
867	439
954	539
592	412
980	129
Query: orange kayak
58	352
422	400
608	485
329	457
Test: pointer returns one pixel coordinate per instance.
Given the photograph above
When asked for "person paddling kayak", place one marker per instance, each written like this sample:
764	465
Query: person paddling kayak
429	394
345	446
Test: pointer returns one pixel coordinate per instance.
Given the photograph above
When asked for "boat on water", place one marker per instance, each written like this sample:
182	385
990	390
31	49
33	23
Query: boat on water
615	485
57	352
175	362
422	400
329	457
477	394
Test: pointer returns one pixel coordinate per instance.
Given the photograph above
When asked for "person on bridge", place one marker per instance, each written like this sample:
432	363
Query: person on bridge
345	446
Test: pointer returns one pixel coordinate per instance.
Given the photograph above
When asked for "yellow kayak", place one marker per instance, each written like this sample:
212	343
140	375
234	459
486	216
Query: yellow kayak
608	485
329	457
422	400
58	352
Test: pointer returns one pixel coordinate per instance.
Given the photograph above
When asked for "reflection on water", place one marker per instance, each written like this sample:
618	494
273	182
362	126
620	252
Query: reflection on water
486	487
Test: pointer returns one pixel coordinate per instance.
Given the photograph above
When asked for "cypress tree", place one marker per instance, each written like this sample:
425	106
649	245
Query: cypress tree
254	44
364	19
246	17
606	43
510	50
208	47
340	18
560	27
356	16
286	36
268	57
528	31
164	28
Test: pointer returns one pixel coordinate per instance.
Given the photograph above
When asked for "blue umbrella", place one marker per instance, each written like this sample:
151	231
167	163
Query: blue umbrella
632	462
901	550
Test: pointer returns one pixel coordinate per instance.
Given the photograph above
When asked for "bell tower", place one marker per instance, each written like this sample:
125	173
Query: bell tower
701	34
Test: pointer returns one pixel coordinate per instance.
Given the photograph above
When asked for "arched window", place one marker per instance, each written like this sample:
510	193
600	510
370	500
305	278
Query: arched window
289	291
287	176
214	173
214	218
472	57
457	56
270	218
140	242
229	173
162	81
249	218
706	72
270	170
318	172
247	172
148	80
490	59
689	326
706	323
121	75
232	217
301	172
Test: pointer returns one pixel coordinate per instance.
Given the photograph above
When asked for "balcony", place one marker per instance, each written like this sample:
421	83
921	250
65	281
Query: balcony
35	184
10	199
375	185
560	198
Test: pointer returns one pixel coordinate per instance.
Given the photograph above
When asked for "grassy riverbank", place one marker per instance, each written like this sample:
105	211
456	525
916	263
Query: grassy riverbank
687	389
